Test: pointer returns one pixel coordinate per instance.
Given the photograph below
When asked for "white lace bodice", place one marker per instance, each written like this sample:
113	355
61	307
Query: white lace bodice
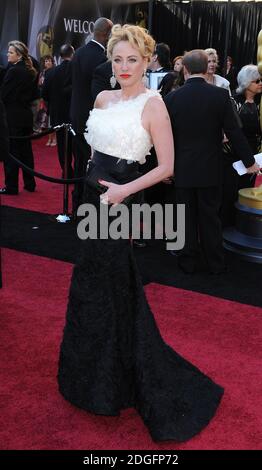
117	130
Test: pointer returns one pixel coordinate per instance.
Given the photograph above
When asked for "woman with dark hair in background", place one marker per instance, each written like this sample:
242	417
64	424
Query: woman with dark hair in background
43	120
17	91
178	63
171	81
178	67
231	73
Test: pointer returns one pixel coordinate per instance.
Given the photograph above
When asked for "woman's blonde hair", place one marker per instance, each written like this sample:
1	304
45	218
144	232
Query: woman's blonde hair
22	49
210	51
136	36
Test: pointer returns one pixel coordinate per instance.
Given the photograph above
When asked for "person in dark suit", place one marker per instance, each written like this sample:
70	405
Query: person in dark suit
4	142
57	90
231	73
2	73
85	61
4	151
161	59
199	113
18	89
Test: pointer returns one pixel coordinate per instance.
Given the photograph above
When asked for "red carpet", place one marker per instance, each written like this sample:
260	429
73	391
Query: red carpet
48	197
221	337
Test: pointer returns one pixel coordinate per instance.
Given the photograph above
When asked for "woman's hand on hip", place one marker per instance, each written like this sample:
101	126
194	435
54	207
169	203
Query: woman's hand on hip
115	193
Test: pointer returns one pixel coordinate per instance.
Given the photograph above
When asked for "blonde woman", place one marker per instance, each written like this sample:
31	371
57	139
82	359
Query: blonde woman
211	76
112	355
17	91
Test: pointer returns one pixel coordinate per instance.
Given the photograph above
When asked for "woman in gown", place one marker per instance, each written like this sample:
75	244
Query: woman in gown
112	355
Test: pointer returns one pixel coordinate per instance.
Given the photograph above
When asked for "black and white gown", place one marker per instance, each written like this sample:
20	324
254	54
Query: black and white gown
112	354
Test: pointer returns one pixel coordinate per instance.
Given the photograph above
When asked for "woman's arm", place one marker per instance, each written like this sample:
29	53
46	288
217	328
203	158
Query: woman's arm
156	121
102	99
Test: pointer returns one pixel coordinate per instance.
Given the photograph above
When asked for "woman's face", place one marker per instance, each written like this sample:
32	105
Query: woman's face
229	62
255	86
48	64
12	55
212	64
128	64
178	65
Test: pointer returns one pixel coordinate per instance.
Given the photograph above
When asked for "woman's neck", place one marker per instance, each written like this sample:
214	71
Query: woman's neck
132	92
249	96
210	78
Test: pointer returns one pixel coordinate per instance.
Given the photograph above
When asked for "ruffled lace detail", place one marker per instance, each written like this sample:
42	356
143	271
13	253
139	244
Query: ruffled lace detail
111	130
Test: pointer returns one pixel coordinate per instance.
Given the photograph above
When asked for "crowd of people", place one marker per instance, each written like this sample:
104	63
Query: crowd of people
112	355
56	94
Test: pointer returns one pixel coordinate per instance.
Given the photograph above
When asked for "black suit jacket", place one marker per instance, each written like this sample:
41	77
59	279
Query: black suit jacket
85	61
2	73
199	114
17	91
101	79
57	90
4	145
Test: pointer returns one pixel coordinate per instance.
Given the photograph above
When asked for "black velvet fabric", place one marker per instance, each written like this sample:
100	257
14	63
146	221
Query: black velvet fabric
112	354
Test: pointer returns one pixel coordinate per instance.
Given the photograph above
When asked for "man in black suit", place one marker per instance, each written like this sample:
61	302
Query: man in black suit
160	61
57	90
86	59
199	114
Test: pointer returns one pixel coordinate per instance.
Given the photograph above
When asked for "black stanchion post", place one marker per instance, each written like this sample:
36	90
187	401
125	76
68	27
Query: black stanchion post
65	216
65	175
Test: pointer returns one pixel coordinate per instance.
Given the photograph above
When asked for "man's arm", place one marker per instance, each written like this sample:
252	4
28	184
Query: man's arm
237	138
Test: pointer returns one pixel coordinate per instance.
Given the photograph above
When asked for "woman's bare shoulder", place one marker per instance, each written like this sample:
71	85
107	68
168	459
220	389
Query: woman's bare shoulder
154	113
155	107
105	97
155	101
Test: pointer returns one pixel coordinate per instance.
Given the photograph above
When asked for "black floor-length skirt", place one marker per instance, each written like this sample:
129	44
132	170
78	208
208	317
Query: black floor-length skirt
112	355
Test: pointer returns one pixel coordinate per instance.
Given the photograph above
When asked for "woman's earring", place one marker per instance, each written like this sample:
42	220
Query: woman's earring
144	78
113	81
